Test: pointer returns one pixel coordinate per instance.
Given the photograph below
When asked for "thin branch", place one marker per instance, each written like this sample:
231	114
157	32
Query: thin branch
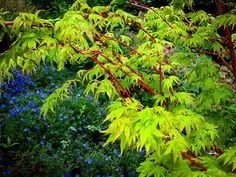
201	167
140	27
122	43
145	86
113	78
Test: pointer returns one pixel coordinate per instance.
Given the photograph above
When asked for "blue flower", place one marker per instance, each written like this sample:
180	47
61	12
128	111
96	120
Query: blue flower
142	152
46	126
90	98
8	172
24	108
42	143
117	153
84	145
133	173
26	129
23	120
37	128
32	105
5	95
65	117
28	138
78	152
106	157
89	160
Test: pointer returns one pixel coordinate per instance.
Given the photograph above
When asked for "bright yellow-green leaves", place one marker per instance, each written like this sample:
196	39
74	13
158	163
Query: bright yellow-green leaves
57	96
165	47
157	130
229	157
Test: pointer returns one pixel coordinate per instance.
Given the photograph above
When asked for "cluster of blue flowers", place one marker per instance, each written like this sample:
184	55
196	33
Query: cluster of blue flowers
69	136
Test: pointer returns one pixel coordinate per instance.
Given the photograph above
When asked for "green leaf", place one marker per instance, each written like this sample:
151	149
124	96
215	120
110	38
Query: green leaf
176	146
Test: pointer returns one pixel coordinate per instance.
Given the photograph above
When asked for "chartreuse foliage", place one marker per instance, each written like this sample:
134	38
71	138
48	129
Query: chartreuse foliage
171	124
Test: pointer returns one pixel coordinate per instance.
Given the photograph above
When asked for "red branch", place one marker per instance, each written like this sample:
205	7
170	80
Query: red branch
208	52
228	33
102	54
218	150
145	86
113	78
159	71
175	73
194	162
122	43
117	57
140	27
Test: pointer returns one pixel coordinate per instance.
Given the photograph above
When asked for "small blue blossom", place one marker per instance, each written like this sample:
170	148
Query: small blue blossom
23	120
89	160
65	117
106	157
90	98
133	173
28	138
32	105
46	126
26	129
42	143
78	152
8	172
24	108
5	95
37	128
117	153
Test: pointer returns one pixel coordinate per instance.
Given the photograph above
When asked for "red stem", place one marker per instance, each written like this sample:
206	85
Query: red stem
102	54
175	73
113	78
159	71
194	162
228	33
117	57
208	52
139	80
122	43
140	27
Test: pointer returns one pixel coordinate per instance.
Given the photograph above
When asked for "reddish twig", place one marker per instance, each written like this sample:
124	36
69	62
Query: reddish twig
117	57
193	162
208	52
228	33
218	150
112	77
122	43
145	86
140	27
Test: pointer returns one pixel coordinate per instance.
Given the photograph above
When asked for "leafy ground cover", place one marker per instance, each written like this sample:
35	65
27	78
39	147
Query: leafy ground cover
68	142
